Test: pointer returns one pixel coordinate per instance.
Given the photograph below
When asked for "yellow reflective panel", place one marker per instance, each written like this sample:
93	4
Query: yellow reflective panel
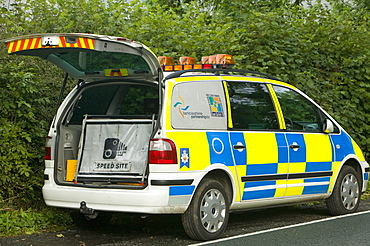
358	151
318	148
36	43
282	169
295	186
116	72
229	118
196	144
241	171
335	167
196	78
261	148
277	107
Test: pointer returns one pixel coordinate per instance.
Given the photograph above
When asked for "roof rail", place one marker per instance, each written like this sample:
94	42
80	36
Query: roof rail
218	72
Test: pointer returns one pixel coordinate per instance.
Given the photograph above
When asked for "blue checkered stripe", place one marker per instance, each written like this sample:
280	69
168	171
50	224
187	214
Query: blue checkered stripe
261	180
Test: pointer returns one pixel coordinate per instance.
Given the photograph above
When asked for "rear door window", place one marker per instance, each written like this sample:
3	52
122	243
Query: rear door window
251	106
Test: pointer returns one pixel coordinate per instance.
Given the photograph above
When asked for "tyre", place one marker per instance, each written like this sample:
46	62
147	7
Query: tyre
208	213
346	193
82	220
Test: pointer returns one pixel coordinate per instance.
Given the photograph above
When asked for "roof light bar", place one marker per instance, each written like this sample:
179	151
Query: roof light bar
187	62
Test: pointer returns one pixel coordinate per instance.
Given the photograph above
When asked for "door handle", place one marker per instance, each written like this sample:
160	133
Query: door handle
294	146
239	146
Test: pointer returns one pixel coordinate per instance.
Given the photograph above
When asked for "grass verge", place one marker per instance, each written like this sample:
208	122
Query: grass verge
19	222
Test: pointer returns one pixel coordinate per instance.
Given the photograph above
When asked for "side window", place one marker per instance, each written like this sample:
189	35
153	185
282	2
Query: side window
299	113
251	106
198	105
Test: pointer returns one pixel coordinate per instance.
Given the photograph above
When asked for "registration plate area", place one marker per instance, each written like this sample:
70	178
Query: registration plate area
50	41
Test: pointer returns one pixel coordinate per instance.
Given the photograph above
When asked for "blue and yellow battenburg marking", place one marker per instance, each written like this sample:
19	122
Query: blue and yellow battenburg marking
264	165
271	164
182	190
180	194
288	171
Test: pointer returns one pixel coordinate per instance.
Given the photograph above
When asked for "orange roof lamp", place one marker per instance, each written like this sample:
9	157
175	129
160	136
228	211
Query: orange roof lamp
166	60
187	62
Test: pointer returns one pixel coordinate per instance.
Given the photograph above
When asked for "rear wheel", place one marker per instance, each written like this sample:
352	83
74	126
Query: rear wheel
81	220
346	193
207	215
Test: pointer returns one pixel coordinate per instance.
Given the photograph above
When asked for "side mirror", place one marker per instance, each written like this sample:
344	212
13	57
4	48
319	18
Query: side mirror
328	126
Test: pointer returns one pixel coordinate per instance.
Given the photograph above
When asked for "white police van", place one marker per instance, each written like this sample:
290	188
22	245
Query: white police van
199	143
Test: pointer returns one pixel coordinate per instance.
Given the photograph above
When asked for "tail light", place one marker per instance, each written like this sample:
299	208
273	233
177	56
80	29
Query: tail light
162	151
48	148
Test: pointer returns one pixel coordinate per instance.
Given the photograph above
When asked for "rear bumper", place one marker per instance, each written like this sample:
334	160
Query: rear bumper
151	200
166	193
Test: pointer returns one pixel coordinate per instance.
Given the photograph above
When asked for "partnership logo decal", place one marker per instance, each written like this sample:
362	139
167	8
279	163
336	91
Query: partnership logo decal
177	104
215	105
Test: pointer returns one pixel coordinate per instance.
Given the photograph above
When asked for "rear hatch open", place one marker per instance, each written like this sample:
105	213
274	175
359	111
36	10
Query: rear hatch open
103	128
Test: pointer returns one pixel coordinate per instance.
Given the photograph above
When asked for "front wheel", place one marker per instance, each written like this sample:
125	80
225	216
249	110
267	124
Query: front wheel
346	193
208	213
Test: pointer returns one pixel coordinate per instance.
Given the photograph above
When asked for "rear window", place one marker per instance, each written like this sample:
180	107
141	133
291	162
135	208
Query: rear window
94	61
117	100
198	105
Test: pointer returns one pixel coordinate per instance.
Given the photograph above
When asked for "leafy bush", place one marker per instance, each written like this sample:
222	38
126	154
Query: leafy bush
28	221
21	129
324	51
